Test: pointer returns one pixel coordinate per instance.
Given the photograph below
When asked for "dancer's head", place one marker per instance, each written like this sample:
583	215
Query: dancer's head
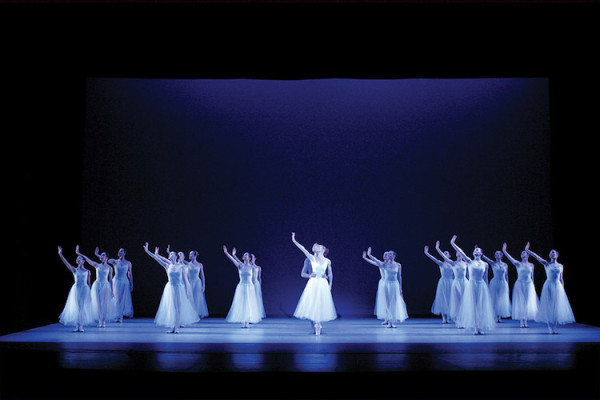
121	252
459	256
391	255
180	256
193	254
172	256
318	248
386	256
524	255
80	260
477	252
246	257
103	257
553	254
498	254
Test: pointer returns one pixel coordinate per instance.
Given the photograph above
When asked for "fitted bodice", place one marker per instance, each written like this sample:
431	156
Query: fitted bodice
121	269
81	276
194	271
460	270
477	270
102	272
319	269
175	274
499	270
553	272
390	274
524	272
245	275
446	271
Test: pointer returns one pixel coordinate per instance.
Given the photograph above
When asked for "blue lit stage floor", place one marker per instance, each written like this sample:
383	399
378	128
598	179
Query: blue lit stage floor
284	348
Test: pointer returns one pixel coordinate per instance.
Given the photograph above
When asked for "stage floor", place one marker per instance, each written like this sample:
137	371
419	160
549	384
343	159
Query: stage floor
347	347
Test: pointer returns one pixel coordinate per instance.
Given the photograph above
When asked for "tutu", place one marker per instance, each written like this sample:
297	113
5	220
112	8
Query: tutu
499	292
79	299
380	304
316	302
175	307
103	302
396	308
476	306
524	298
554	307
244	307
122	291
197	291
441	304
458	288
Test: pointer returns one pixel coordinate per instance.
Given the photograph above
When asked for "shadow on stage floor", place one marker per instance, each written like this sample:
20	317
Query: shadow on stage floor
280	358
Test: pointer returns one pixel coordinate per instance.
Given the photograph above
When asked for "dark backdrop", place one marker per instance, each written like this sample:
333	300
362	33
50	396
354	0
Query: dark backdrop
514	165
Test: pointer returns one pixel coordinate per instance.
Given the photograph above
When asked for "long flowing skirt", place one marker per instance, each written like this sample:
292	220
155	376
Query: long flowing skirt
396	307
198	298
380	303
476	309
175	309
456	293
259	300
244	307
124	305
441	304
499	293
316	302
525	302
554	305
79	299
104	306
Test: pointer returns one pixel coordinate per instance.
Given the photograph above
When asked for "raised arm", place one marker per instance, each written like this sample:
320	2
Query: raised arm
233	260
487	259
86	258
64	260
510	258
306	253
377	261
458	249
155	256
437	247
435	260
364	256
537	257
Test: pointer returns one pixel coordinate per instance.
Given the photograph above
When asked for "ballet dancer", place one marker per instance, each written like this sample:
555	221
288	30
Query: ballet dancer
525	301
499	291
257	281
394	302
78	308
122	285
316	303
380	309
555	308
459	267
476	309
244	308
441	303
175	309
103	299
195	272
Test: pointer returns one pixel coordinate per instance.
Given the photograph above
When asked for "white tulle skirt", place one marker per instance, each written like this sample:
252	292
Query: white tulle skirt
476	309
456	293
244	307
103	303
316	302
79	299
259	300
396	307
499	294
175	309
380	303
525	302
554	305
198	298
441	303
123	302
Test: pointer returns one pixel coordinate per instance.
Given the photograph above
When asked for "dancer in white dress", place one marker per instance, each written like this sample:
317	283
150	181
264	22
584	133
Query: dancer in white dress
499	291
78	308
555	308
392	288
380	309
459	267
195	271
476	309
103	299
244	307
525	301
257	281
316	303
176	308
442	301
122	286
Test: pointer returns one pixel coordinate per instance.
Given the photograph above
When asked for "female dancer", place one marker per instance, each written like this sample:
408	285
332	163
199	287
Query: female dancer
257	281
316	302
103	299
175	309
499	291
78	308
394	302
244	307
476	309
380	303
441	304
525	302
195	271
554	305
122	286
459	267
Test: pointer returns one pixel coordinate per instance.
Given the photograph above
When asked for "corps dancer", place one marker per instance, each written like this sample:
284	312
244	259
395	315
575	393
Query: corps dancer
122	285
380	309
395	307
441	303
78	308
175	309
476	309
459	267
499	291
244	307
316	302
257	281
195	271
554	307
525	302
